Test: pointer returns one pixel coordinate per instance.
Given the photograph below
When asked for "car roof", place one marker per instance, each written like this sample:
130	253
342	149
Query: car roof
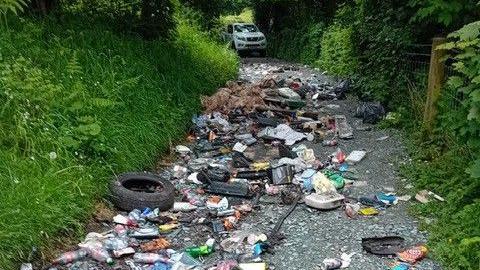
243	24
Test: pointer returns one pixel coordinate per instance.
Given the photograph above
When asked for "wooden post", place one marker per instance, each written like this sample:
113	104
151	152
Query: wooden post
436	76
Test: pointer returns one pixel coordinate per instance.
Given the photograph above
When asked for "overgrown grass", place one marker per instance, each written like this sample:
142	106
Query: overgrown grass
79	104
453	225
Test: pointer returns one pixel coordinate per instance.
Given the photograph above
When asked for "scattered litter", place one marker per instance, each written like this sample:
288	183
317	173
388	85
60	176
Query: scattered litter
239	147
343	262
288	93
182	149
387	198
351	210
383	138
355	156
253	266
413	254
388	245
183	207
282	132
324	201
404	198
368	211
154	245
342	128
244	155
371	112
333	106
400	266
424	196
26	266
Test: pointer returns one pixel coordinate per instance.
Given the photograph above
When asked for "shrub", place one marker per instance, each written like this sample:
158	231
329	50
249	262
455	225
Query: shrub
337	53
149	18
449	162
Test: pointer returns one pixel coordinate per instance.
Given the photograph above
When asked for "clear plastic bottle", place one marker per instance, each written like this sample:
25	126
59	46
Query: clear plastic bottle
71	256
149	258
115	243
100	255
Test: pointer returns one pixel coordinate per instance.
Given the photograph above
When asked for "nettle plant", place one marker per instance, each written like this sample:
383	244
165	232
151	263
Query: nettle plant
465	48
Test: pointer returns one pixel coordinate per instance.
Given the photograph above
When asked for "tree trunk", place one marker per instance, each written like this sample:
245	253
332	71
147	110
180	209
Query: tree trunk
44	6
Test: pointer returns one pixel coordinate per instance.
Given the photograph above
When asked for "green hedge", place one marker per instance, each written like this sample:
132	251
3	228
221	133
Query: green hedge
337	55
80	104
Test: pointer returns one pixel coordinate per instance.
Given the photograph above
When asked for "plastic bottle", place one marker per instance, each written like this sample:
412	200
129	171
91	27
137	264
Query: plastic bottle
329	143
71	256
115	243
148	258
161	266
100	255
329	264
339	156
337	180
199	251
122	252
193	197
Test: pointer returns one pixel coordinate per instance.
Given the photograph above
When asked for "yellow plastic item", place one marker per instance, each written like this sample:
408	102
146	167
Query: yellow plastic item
168	227
369	211
253	266
321	184
260	166
225	150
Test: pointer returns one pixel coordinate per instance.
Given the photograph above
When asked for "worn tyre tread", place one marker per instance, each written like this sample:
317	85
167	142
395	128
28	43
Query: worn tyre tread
128	200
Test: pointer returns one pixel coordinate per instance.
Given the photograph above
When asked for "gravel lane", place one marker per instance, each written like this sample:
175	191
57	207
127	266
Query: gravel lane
311	235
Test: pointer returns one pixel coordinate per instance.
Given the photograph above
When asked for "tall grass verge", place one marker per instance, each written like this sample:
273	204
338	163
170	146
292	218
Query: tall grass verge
79	104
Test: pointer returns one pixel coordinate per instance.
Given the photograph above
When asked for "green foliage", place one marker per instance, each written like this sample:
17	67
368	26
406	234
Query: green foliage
312	42
447	13
156	18
209	10
337	54
11	5
245	16
465	122
78	105
382	36
297	44
449	162
149	18
453	224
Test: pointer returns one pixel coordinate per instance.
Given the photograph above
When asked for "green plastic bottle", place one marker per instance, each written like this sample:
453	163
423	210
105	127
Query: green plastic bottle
196	252
337	180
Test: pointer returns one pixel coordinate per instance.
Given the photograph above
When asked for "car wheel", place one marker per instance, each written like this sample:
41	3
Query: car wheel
262	53
241	53
140	190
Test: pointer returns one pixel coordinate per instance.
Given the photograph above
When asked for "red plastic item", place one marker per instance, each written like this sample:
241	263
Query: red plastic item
340	156
413	255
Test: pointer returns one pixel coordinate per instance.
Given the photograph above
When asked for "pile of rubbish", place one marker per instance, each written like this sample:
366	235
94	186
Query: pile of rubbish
252	141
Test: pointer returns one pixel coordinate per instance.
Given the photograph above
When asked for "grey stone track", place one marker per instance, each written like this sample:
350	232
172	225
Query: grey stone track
312	235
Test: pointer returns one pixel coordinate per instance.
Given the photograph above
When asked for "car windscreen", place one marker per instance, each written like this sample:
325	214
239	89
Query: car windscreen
245	28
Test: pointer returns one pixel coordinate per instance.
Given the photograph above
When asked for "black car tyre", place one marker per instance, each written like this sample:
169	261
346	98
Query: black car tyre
126	194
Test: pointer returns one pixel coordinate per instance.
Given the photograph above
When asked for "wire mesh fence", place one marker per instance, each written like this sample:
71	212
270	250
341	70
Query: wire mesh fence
416	63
